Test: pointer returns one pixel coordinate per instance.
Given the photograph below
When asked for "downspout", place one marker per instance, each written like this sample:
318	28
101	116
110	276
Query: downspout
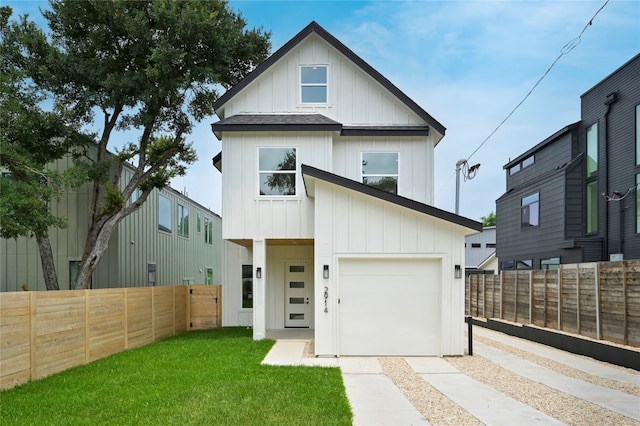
611	99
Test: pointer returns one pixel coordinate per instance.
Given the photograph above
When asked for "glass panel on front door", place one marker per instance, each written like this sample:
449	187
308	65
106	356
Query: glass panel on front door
298	296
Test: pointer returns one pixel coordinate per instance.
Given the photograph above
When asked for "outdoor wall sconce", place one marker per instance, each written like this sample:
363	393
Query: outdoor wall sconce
458	272
258	272
325	271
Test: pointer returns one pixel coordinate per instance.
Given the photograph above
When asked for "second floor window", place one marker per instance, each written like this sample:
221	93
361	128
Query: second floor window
164	213
183	220
380	170
313	84
592	149
277	171
208	231
530	210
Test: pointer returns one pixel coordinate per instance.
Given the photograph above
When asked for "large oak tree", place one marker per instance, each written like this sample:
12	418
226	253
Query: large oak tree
151	66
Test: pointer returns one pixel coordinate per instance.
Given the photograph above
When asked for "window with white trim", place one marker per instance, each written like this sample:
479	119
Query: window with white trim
314	83
277	171
380	170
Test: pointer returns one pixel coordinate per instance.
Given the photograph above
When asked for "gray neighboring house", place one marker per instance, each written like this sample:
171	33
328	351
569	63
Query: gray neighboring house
170	240
480	252
573	197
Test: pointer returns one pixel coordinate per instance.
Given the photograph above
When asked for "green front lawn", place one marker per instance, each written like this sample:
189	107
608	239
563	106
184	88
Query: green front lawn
209	377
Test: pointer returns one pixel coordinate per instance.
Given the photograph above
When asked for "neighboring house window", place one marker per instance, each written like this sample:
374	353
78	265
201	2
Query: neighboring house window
638	203
277	171
188	281
476	245
507	264
524	264
592	150
134	196
74	271
380	170
209	276
183	220
151	274
592	207
313	84
551	264
164	213
531	210
521	165
638	135
247	286
208	230
198	223
491	245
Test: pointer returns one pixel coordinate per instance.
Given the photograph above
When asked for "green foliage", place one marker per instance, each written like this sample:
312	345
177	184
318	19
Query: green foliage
489	220
30	140
209	377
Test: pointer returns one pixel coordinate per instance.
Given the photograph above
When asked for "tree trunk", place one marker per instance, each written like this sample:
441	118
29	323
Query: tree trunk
48	265
99	243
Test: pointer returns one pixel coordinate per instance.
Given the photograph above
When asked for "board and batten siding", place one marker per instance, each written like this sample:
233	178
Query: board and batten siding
415	161
354	97
250	216
350	224
123	264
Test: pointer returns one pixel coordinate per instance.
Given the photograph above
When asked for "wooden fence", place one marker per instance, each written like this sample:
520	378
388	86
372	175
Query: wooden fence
42	333
597	300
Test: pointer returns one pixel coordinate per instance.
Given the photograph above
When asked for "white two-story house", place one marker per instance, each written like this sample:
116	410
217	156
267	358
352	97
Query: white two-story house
326	185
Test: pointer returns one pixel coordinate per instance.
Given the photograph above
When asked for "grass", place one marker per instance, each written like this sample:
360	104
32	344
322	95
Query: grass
211	377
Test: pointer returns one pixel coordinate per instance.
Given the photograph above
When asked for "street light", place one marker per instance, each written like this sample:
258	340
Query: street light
468	173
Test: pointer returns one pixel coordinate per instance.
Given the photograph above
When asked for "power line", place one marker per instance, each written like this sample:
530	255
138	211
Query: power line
564	51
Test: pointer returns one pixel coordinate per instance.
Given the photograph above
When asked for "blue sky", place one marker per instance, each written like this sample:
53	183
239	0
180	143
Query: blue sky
467	63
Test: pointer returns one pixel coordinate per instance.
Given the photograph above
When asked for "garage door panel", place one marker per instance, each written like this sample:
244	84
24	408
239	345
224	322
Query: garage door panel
389	307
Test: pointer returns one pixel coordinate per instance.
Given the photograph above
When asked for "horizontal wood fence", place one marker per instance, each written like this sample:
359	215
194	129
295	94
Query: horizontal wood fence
42	333
597	300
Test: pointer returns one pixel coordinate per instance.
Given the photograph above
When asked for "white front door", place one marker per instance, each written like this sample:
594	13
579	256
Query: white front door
298	305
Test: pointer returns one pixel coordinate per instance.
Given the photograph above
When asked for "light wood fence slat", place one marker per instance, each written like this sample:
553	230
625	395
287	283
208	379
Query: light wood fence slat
597	300
42	333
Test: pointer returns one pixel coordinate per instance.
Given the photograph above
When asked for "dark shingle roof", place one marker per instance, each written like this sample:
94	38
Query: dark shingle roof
392	198
275	122
313	27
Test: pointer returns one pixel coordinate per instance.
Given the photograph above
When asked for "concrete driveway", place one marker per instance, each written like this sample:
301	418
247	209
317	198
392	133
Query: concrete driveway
376	400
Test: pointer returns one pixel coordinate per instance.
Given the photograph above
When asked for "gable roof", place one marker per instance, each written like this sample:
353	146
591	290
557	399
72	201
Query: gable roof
313	27
389	197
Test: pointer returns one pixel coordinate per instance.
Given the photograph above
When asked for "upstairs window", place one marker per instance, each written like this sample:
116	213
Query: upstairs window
638	135
164	213
530	209
183	220
380	170
313	84
592	150
277	171
208	230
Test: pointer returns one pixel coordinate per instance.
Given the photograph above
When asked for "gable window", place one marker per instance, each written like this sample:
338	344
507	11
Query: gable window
530	209
592	150
277	171
380	170
164	213
183	220
313	84
208	230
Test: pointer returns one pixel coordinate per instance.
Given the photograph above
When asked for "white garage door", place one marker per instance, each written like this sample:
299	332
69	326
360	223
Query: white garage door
389	307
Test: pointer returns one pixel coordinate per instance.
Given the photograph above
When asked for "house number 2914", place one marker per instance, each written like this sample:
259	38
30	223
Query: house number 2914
326	296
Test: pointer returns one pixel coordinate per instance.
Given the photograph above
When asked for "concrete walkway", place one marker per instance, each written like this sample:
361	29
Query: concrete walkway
375	400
